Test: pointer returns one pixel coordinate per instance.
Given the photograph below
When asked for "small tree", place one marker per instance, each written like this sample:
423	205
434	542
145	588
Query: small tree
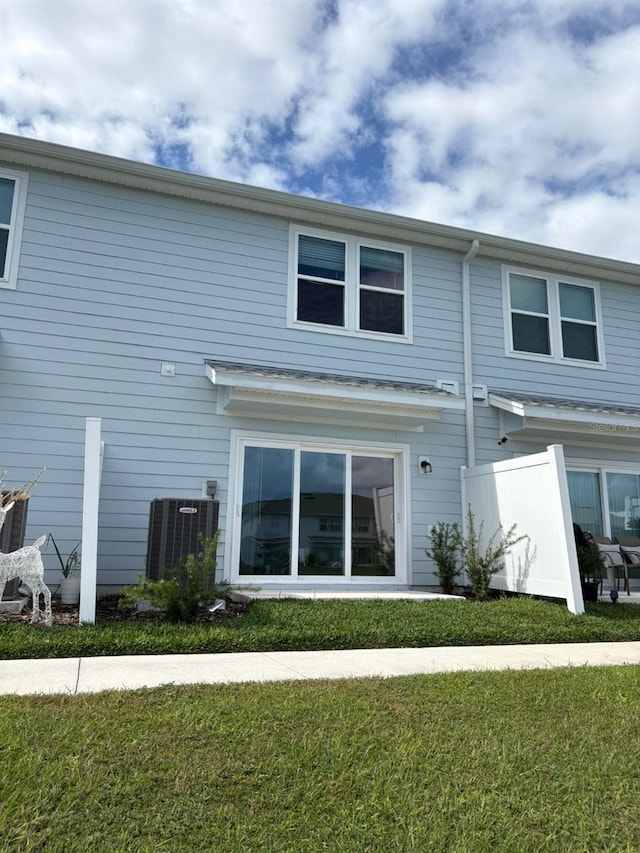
592	564
190	588
445	545
482	562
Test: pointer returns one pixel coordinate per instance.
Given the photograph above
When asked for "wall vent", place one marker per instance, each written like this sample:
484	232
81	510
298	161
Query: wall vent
174	528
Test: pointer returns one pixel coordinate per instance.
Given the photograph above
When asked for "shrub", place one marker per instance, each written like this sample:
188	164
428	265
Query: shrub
191	587
591	563
482	562
445	545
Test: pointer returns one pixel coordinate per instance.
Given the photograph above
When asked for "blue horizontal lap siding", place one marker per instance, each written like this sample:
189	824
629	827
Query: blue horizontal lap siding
620	305
617	384
114	281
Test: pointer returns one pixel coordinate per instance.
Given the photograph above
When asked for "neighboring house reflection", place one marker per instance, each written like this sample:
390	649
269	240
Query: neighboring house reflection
266	535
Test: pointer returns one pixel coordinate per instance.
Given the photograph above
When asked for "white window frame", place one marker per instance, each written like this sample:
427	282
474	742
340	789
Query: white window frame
352	286
402	521
554	316
20	179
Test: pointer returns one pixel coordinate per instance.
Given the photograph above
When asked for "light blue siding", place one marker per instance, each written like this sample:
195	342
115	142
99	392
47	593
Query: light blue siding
114	281
616	384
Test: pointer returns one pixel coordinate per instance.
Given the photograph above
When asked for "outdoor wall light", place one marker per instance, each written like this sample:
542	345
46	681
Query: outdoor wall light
424	465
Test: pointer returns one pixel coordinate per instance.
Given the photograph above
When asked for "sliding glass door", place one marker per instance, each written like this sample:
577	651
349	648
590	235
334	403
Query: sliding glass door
586	501
321	516
267	491
623	494
317	513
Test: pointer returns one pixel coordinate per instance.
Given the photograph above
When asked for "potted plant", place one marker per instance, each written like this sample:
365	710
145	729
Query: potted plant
70	570
592	568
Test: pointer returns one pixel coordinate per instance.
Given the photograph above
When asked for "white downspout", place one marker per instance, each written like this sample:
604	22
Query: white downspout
466	350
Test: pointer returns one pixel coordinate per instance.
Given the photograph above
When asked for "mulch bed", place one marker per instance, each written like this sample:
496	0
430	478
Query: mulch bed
107	611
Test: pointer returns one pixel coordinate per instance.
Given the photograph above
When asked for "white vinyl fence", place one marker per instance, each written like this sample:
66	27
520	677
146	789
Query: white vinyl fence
93	449
531	492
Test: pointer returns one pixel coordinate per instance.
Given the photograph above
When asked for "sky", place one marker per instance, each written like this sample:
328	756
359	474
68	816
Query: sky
514	117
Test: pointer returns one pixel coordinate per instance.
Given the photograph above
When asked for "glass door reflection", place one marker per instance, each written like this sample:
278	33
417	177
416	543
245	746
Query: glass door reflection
372	519
265	543
321	544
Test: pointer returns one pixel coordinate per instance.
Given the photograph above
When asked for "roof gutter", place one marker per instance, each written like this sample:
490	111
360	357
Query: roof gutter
467	355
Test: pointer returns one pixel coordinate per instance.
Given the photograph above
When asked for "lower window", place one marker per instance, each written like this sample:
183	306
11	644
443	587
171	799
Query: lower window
610	508
317	513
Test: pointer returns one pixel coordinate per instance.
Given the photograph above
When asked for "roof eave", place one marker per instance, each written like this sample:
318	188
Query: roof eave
32	153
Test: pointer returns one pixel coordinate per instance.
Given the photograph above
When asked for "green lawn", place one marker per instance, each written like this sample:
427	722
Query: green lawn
509	761
289	624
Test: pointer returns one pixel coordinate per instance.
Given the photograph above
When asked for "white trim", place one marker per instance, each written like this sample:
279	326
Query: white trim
351	285
398	452
21	179
553	316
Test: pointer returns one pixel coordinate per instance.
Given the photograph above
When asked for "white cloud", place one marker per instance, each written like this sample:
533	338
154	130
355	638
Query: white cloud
538	122
105	75
354	56
518	117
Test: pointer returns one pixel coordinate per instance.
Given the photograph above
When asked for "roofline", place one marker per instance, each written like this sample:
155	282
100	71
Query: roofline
33	153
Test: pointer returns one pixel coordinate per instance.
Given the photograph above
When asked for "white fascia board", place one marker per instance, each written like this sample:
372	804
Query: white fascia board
332	391
507	405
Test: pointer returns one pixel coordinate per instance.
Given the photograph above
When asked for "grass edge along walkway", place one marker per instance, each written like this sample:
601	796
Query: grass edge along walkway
289	625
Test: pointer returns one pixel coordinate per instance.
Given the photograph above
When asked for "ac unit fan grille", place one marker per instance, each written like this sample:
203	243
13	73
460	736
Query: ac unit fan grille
175	526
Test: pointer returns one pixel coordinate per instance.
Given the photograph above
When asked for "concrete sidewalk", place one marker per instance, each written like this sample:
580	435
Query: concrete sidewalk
90	675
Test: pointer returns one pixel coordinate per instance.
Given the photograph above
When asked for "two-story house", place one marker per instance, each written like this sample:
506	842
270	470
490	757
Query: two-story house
330	368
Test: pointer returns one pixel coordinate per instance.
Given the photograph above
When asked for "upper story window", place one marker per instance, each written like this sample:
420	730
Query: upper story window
552	318
13	191
344	284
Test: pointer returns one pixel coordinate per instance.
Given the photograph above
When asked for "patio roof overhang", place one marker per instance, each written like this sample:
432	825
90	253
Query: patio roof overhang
306	396
548	418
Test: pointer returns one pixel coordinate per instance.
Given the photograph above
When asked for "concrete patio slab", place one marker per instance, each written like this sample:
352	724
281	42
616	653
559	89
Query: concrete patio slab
319	593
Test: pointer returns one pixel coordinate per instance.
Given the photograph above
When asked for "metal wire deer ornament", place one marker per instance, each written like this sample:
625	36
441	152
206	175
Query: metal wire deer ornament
26	564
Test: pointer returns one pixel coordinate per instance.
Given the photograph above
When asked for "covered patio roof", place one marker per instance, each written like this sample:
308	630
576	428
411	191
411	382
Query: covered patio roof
301	395
531	415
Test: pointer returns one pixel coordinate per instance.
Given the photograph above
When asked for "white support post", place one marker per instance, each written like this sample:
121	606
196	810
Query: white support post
90	506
